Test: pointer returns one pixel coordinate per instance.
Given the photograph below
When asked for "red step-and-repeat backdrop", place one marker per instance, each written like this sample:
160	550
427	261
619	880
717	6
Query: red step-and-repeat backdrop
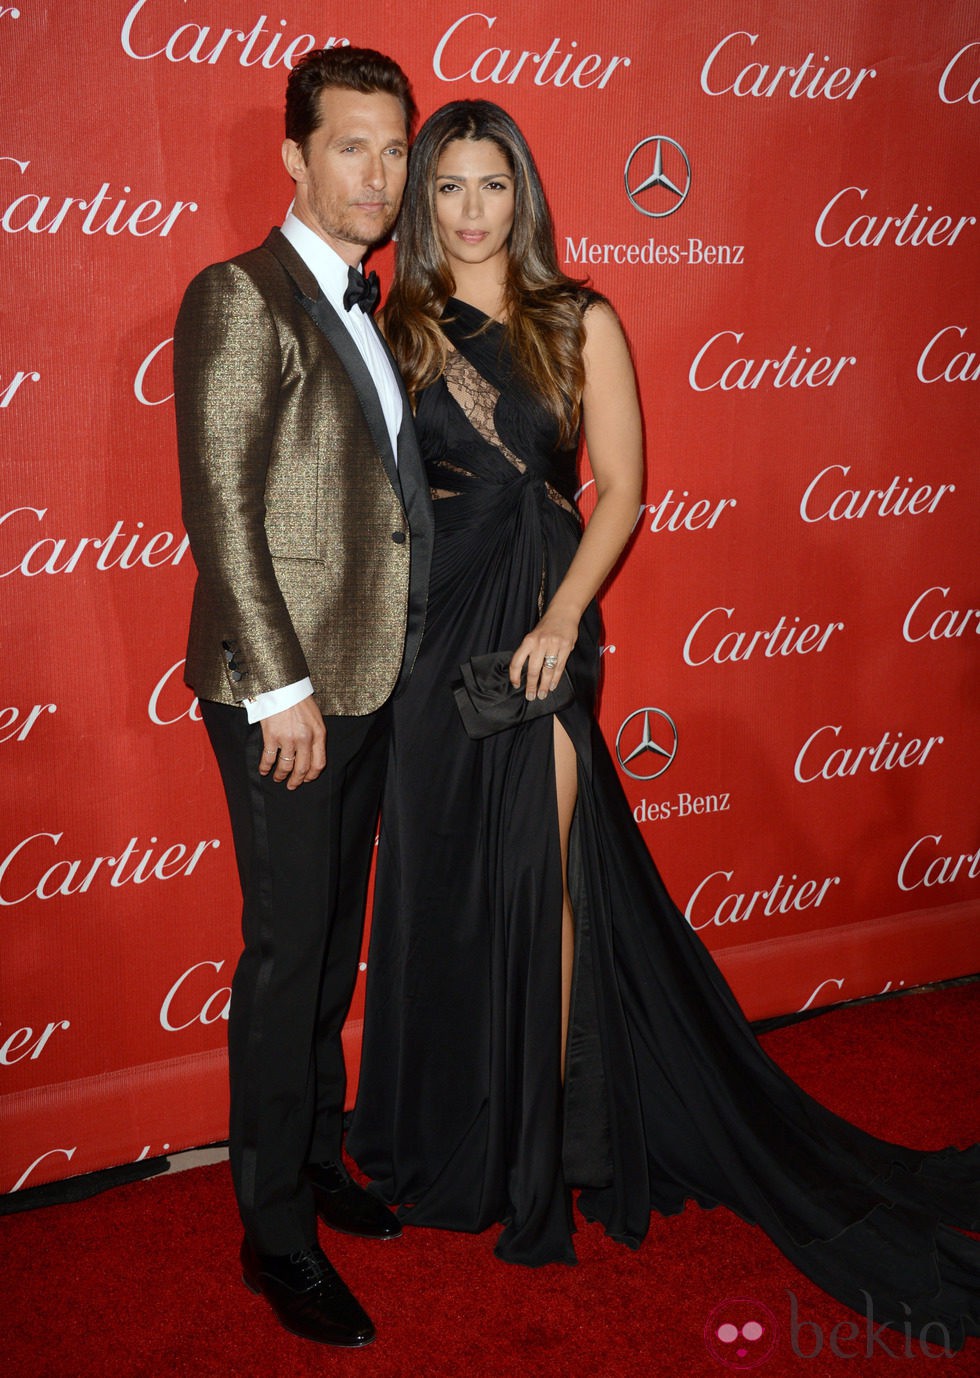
782	202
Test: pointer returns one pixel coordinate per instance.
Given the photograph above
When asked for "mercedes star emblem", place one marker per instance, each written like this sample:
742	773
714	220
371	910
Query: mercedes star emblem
648	757
665	186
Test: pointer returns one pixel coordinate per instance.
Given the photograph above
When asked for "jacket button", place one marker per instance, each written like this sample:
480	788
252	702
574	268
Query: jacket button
398	537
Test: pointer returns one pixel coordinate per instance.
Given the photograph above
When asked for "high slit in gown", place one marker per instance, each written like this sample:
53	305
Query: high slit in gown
462	1119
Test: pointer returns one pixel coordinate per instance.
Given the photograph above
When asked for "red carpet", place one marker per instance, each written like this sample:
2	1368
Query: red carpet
143	1280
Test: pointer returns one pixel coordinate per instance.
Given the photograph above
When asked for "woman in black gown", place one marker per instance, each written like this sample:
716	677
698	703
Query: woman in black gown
540	1016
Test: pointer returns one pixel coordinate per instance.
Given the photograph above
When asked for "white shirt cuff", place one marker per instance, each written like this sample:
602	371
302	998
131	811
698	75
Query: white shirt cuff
276	700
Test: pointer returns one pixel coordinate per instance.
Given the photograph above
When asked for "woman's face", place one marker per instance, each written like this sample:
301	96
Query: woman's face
474	201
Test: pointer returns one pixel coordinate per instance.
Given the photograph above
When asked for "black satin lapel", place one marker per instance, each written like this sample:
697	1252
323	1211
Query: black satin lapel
411	472
417	502
324	316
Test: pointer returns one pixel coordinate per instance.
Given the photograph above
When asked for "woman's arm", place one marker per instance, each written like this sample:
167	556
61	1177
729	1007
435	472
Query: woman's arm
614	435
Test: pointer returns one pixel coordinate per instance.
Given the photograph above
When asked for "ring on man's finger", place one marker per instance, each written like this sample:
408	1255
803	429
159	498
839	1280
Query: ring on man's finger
551	661
285	760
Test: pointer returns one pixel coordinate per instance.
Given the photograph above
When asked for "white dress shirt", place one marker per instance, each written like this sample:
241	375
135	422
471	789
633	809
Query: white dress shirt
330	271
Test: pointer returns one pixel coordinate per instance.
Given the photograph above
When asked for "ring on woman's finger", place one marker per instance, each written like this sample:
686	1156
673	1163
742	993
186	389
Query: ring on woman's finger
551	661
270	751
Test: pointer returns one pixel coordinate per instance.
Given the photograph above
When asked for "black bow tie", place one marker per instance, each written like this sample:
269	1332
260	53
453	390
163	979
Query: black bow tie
363	291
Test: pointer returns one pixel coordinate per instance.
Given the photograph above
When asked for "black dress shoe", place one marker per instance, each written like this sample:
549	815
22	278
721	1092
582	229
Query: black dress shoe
308	1295
346	1207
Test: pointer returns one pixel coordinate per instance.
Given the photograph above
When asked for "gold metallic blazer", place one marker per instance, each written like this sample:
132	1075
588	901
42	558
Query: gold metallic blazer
312	546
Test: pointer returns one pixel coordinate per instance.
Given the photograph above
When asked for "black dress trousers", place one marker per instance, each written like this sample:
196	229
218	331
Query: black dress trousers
304	857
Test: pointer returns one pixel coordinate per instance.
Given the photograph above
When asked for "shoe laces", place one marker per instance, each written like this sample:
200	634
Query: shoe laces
314	1266
337	1176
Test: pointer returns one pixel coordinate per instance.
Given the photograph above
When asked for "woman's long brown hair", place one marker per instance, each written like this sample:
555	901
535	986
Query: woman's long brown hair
543	307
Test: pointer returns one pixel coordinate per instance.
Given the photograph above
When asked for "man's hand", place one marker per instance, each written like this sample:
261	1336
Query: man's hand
295	742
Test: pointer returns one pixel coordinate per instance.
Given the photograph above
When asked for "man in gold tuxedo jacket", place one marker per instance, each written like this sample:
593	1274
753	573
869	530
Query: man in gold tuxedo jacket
310	522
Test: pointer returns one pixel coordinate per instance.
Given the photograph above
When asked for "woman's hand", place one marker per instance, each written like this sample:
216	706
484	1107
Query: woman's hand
545	651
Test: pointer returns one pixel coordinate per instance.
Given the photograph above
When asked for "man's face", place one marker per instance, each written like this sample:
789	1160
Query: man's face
349	186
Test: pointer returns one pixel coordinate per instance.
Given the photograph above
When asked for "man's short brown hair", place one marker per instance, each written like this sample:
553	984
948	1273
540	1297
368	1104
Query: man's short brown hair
352	69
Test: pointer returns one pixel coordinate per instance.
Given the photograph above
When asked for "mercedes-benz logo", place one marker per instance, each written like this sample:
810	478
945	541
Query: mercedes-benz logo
664	183
651	744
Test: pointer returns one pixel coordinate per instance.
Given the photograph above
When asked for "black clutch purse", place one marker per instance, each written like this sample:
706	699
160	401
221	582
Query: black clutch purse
488	702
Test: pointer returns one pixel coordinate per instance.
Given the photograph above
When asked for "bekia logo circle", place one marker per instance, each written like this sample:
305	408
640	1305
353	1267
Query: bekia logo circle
741	1333
646	743
657	176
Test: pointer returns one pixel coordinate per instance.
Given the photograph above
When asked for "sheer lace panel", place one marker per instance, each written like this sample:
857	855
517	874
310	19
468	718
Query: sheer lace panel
448	468
558	500
478	399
